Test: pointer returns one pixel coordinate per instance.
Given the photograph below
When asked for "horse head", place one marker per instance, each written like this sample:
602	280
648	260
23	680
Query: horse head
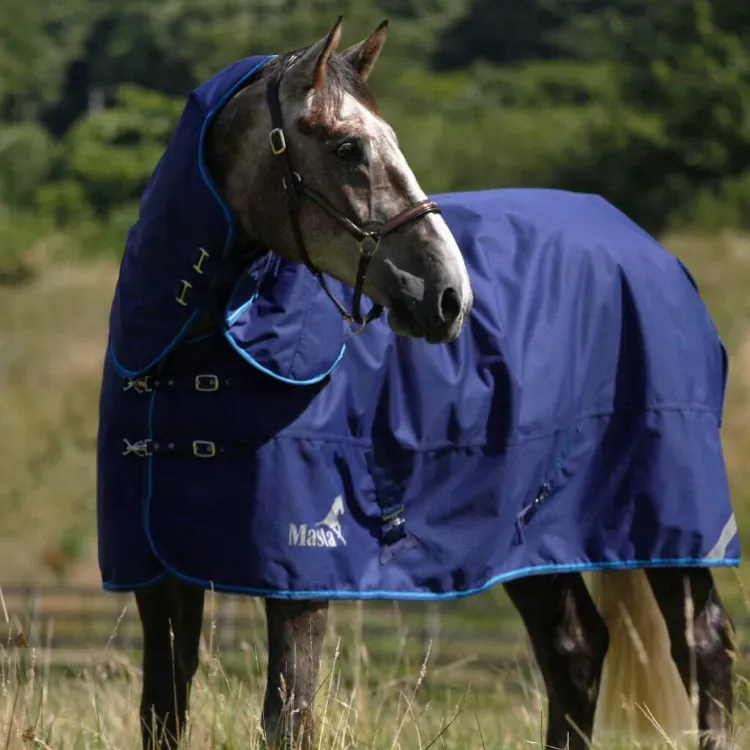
313	171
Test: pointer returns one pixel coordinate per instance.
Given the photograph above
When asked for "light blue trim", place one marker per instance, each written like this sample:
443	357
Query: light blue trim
236	314
202	162
124	587
137	373
230	319
417	596
275	375
453	595
227	213
202	337
414	596
448	596
688	562
269	258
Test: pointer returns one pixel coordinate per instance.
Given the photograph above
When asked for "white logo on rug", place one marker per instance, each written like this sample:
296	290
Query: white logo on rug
325	533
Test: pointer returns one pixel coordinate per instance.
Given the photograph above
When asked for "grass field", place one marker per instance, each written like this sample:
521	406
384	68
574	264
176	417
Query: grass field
52	337
389	705
394	703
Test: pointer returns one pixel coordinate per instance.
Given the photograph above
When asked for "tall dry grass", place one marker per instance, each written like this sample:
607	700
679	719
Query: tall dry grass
359	704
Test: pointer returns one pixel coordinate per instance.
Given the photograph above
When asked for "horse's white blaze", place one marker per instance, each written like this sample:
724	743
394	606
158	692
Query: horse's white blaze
385	144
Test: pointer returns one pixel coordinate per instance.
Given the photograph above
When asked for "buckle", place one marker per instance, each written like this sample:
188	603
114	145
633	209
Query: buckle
390	513
140	448
206	383
204	448
140	384
278	142
394	531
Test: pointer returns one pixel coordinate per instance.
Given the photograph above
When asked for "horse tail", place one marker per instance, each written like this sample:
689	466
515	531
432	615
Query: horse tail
641	692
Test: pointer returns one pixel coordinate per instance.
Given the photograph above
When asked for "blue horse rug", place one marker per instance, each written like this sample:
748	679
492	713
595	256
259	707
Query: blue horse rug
574	424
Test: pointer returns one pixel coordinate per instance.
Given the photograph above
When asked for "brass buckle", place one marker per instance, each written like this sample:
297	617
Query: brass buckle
375	245
278	141
204	448
393	513
206	383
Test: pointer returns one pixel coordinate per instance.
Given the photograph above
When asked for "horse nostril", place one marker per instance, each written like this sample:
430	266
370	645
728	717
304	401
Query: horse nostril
450	305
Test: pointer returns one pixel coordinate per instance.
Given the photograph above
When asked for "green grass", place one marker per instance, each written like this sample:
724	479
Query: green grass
398	702
97	708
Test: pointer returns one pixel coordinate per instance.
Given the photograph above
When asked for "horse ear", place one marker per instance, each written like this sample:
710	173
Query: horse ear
364	55
310	67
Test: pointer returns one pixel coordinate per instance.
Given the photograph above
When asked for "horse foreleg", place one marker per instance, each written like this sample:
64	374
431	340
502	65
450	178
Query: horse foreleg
171	616
570	640
709	662
295	639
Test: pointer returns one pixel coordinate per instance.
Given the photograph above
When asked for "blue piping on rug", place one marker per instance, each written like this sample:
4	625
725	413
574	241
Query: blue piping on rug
395	595
276	376
227	213
127	587
453	595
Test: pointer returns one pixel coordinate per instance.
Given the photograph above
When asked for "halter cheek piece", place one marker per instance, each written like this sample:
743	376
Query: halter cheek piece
369	241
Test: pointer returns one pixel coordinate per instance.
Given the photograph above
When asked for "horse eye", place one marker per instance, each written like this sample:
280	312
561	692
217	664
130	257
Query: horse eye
350	151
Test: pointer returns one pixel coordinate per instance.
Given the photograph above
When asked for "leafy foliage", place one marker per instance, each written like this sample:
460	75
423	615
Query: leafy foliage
643	101
112	152
684	69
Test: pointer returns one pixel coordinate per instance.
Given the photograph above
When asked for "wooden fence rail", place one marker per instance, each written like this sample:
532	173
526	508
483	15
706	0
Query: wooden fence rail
87	616
483	629
469	641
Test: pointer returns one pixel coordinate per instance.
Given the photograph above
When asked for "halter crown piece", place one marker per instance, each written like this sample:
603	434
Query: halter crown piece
369	241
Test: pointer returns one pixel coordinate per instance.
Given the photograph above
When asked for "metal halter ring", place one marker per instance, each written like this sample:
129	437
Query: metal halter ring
369	245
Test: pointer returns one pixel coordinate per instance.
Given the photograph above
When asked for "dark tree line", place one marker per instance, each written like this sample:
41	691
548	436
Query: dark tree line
644	101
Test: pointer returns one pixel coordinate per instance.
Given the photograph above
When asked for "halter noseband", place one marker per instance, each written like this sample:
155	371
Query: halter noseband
369	241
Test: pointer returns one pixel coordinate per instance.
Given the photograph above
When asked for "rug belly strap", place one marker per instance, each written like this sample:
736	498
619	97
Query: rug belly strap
201	383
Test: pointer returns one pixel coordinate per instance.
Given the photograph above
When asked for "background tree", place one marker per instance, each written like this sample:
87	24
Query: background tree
677	138
643	101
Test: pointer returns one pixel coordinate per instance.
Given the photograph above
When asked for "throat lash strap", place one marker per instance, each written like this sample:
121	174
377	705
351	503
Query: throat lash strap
368	241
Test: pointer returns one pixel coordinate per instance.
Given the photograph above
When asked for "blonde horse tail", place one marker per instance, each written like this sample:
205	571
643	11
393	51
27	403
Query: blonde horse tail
641	693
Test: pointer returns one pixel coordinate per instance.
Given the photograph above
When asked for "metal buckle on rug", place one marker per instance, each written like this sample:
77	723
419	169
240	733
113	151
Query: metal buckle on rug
204	448
394	527
395	538
390	513
139	385
206	383
139	448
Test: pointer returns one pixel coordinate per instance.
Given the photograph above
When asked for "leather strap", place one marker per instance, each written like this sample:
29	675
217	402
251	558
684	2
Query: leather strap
369	241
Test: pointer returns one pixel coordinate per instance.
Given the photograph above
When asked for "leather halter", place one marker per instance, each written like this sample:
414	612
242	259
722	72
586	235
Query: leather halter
369	241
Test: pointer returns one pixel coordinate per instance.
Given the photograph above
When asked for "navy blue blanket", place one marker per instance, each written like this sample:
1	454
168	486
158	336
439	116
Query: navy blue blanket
574	423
